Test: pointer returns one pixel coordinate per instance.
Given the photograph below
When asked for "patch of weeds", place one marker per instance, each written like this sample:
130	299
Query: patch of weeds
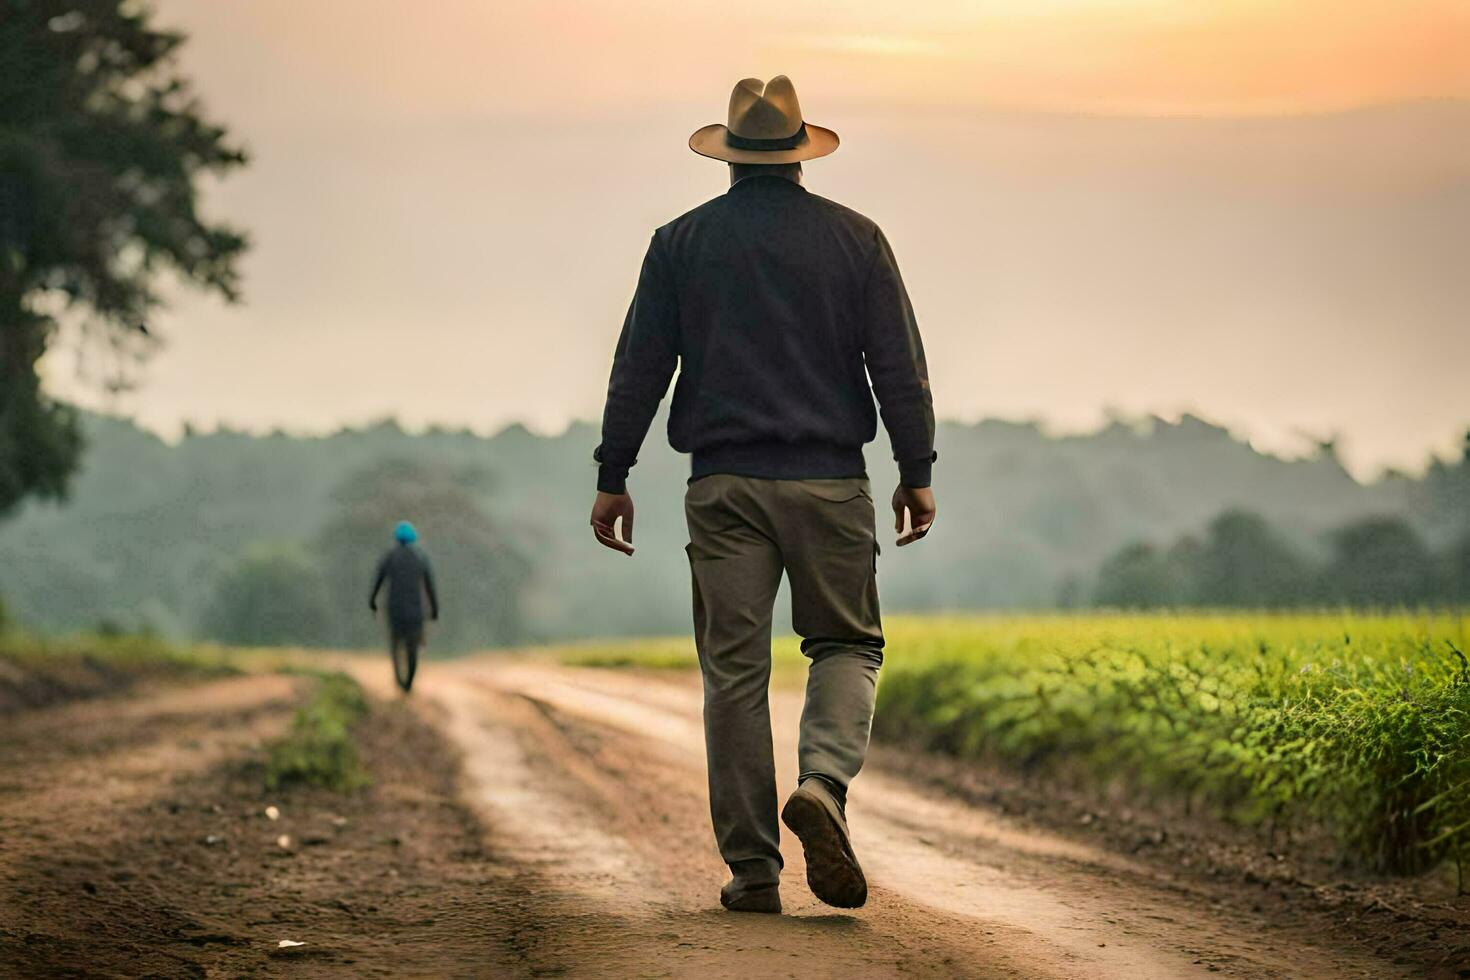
319	749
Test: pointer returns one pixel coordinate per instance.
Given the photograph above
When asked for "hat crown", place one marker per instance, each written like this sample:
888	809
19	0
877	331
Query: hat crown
765	126
764	110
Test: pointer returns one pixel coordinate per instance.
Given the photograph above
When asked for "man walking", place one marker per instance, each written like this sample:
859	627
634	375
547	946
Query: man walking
778	307
406	569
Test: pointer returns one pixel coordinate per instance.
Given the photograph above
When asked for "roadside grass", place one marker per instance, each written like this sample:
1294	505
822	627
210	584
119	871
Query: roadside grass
788	666
130	653
319	749
660	653
1352	725
35	671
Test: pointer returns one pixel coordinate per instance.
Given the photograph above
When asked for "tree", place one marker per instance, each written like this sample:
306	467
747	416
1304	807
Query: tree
274	595
102	147
1136	577
1243	562
479	570
1441	502
1380	561
1455	573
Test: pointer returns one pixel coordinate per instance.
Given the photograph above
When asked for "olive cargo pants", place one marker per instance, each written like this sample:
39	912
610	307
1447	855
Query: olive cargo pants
743	533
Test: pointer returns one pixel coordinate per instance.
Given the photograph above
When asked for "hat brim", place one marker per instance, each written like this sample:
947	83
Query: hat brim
710	142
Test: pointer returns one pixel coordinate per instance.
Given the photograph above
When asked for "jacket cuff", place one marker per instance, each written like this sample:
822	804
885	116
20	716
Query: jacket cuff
917	473
612	479
612	470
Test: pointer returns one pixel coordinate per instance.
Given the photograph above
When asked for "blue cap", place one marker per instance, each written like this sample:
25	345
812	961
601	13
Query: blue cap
405	533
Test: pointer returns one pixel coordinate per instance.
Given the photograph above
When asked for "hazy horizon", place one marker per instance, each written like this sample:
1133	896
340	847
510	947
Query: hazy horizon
1256	214
1306	445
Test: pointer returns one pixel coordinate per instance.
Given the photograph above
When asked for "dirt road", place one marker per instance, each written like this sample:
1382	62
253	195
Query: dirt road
526	819
592	782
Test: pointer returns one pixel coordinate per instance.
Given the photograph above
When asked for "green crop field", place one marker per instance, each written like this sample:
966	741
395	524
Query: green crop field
1355	726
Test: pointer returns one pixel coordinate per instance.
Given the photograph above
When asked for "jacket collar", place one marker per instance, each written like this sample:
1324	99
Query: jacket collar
754	180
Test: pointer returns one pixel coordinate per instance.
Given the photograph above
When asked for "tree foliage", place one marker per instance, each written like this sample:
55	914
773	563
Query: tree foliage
103	146
1137	577
1243	562
274	595
1380	561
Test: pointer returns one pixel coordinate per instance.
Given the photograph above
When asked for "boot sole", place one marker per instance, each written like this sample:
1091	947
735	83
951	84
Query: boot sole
832	872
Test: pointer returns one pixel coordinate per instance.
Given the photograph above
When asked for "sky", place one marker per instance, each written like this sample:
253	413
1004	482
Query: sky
1256	210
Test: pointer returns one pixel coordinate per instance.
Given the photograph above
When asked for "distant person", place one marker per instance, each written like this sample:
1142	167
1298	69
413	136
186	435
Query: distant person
785	314
406	569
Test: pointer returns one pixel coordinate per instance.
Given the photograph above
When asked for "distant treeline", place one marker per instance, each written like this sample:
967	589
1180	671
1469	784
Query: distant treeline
1242	561
273	538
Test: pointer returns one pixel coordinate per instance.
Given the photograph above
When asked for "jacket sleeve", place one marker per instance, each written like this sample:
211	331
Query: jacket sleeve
429	588
900	377
378	582
647	353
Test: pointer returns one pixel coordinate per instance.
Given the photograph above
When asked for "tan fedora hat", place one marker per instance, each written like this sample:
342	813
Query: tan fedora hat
765	127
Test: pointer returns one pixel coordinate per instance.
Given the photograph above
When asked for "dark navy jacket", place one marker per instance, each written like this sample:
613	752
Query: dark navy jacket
406	570
779	308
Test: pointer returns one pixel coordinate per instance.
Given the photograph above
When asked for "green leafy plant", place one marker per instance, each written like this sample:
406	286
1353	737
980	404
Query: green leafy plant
1356	726
319	749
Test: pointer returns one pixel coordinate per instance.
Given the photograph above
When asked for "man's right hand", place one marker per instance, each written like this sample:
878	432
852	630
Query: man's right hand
919	502
606	510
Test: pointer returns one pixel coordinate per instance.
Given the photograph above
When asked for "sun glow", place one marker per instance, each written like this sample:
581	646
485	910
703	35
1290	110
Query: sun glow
1208	57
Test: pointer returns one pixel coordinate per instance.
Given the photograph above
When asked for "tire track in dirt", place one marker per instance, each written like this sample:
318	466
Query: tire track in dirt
594	780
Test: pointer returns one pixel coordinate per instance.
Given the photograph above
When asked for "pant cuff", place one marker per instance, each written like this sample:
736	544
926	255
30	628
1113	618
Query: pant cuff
756	871
838	790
